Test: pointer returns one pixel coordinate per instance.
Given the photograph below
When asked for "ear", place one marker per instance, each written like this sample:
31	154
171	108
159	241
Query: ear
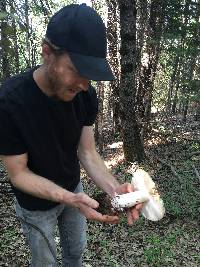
46	51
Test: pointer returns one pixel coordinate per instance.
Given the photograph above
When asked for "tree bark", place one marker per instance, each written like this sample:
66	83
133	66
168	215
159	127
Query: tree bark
5	43
142	22
190	76
112	34
15	39
171	85
175	97
150	60
28	59
191	62
99	120
132	144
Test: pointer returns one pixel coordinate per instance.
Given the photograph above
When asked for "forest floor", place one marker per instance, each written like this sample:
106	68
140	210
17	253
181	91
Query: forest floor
174	163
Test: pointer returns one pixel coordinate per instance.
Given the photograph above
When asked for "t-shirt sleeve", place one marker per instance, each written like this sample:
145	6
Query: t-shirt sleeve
10	140
91	106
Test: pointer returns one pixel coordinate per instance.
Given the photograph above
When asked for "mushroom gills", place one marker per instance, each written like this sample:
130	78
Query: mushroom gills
153	209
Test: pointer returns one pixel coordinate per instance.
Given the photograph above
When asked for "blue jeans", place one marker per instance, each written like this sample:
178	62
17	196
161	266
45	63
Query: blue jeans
72	228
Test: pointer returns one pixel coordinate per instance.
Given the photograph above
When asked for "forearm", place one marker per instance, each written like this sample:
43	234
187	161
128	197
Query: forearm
25	180
98	172
41	187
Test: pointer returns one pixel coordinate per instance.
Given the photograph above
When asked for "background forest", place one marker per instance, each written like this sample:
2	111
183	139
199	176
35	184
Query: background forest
148	117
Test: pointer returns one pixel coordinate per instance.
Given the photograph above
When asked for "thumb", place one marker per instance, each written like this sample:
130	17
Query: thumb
130	188
126	188
85	199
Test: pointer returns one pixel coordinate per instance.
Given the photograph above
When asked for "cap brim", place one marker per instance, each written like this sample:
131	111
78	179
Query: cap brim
92	68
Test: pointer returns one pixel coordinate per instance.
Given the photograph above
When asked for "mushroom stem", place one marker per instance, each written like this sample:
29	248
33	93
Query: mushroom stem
130	199
146	193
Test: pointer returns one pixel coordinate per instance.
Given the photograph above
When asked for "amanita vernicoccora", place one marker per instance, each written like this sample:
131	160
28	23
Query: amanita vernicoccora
146	193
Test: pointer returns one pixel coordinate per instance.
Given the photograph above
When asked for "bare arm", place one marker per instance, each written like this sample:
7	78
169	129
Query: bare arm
25	180
93	164
99	173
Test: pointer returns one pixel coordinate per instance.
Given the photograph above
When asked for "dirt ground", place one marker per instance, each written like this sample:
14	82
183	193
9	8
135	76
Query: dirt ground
173	156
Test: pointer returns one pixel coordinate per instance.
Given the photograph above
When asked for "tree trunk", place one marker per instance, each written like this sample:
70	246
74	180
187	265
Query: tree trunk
5	43
197	112
186	90
99	120
175	98
132	144
15	39
150	59
28	59
112	34
185	108
142	22
191	62
171	85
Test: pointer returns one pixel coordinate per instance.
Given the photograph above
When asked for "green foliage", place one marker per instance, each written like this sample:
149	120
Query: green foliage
194	86
195	146
24	31
180	40
6	239
159	248
184	196
198	257
3	15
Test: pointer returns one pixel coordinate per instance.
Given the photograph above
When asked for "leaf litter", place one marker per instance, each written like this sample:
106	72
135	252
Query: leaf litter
173	241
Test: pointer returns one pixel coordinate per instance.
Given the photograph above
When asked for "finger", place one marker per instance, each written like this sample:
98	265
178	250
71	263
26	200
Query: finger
132	215
91	202
130	188
97	216
110	219
106	218
129	217
139	207
135	213
85	199
94	215
125	188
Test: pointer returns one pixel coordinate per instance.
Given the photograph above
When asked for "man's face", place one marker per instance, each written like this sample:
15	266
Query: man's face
63	80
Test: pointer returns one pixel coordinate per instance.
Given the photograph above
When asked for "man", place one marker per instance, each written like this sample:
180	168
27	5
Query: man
46	117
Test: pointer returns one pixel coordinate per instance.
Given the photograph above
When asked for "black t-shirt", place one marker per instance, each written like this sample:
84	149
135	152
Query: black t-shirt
47	129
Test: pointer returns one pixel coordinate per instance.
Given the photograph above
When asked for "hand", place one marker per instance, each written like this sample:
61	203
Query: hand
87	206
133	213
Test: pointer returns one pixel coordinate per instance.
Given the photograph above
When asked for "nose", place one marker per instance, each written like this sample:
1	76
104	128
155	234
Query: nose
83	84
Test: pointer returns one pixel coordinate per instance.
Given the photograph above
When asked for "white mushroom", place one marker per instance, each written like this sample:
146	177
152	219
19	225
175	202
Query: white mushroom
129	200
146	193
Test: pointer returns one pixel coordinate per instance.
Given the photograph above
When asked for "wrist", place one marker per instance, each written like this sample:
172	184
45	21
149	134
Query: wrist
112	189
67	197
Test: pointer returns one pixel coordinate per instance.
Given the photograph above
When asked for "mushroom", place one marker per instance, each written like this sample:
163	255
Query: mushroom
146	193
129	199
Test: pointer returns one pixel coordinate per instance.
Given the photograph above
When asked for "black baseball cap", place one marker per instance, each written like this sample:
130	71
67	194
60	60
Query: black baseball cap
80	31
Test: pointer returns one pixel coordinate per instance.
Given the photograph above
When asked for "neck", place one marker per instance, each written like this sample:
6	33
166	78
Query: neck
40	77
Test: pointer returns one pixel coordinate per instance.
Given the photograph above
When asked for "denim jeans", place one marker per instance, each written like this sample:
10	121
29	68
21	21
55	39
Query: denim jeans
72	229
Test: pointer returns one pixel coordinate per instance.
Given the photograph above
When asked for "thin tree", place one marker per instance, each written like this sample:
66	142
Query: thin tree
113	51
132	144
150	60
5	42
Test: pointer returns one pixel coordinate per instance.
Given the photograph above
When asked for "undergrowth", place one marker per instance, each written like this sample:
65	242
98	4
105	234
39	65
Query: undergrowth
172	241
